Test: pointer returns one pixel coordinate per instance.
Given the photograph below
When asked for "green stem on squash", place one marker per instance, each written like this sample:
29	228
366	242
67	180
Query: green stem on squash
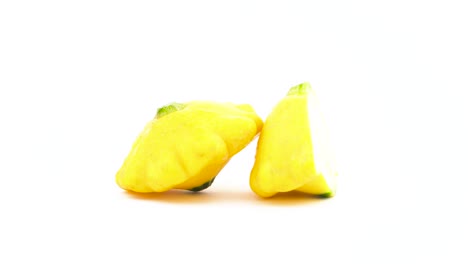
168	109
300	89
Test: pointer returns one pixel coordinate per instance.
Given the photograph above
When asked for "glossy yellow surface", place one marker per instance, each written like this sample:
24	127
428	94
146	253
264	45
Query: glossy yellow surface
189	147
293	151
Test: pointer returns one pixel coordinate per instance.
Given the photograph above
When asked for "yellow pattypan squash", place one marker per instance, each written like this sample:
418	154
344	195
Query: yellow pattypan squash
293	151
186	145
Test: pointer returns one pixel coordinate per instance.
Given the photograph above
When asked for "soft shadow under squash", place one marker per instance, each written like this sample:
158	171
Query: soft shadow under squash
175	196
223	196
292	198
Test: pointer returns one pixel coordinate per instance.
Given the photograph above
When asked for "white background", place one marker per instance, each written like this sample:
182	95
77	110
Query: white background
79	80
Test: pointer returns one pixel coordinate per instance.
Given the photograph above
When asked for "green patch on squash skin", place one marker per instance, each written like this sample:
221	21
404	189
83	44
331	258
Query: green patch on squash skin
326	195
203	186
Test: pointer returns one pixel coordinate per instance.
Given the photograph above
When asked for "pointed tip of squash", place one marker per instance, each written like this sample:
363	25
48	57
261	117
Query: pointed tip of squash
248	108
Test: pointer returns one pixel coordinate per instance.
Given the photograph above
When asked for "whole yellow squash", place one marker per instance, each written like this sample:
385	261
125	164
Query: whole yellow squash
294	151
186	145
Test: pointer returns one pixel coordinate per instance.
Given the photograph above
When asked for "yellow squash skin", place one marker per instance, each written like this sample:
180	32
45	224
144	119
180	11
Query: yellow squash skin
293	151
187	146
